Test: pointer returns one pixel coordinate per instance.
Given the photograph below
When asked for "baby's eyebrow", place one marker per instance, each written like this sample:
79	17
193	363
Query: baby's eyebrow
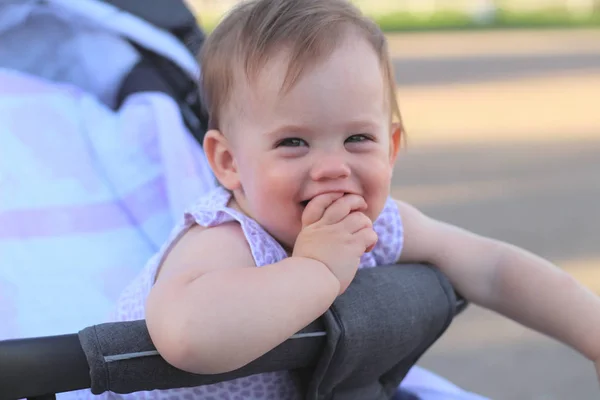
288	129
351	125
363	125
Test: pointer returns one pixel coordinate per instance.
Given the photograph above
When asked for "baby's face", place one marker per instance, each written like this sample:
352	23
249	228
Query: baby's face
329	133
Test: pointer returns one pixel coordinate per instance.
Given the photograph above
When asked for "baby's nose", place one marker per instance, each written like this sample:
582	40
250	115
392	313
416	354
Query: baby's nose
330	167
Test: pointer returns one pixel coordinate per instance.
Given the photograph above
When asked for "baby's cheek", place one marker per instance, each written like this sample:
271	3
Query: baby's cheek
379	193
380	177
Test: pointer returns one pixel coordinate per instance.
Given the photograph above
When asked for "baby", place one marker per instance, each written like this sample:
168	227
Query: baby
304	133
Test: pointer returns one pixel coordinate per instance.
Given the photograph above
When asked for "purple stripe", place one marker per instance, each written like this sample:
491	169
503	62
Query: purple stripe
146	201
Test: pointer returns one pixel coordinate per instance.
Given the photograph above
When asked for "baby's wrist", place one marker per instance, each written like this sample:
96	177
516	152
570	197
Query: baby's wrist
326	276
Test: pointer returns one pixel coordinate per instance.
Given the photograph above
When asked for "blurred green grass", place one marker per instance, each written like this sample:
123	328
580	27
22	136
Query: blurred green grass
451	20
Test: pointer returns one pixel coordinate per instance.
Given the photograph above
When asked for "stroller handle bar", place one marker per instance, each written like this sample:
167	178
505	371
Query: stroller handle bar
36	366
62	363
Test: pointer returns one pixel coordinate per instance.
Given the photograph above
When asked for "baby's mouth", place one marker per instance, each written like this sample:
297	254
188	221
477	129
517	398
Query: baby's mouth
304	203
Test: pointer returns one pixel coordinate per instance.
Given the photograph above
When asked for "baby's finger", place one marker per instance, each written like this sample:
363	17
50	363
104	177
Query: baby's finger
342	207
315	208
367	237
356	221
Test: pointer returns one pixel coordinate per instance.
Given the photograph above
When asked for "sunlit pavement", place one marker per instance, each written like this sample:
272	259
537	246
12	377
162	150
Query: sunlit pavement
504	139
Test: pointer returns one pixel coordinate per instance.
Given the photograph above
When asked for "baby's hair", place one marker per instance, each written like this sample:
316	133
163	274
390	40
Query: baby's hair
254	31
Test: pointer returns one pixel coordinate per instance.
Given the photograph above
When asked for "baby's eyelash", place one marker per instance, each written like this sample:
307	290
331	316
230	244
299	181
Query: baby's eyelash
361	138
291	142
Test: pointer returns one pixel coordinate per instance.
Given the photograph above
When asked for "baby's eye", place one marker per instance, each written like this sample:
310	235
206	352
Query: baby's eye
292	142
358	138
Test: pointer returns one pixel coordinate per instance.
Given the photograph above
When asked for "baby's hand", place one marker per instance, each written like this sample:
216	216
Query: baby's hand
336	232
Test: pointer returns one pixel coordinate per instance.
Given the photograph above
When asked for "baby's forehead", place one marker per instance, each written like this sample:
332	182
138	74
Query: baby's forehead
354	72
253	111
280	74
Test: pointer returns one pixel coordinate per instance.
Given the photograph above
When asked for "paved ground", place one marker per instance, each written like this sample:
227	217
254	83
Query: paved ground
504	139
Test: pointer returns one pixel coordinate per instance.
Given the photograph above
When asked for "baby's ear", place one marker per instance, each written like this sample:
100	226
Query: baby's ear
395	140
220	157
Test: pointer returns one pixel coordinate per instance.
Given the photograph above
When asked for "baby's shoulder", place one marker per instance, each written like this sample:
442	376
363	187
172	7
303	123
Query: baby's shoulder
200	249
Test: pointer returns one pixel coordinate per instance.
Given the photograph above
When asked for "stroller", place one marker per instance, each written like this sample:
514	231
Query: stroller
90	183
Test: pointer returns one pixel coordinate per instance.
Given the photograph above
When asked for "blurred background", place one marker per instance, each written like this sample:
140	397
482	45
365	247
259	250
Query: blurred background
501	100
402	15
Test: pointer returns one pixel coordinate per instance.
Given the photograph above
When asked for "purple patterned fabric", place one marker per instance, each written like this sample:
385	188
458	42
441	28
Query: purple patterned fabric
212	210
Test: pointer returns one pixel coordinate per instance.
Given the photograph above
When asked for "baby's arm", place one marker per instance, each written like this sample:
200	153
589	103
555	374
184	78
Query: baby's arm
506	279
211	310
